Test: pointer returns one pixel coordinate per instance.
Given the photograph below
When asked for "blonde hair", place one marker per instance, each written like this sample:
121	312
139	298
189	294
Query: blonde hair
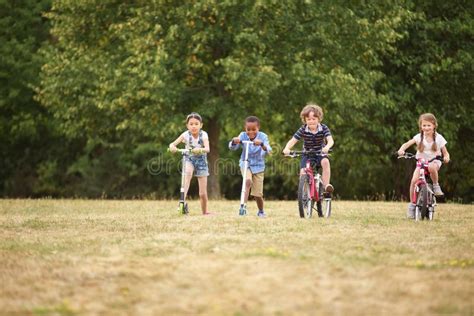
432	119
311	107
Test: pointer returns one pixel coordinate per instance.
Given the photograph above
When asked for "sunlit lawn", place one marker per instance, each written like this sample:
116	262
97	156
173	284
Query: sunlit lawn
140	257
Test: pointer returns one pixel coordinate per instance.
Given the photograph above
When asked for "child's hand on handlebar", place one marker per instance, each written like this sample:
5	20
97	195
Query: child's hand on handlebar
197	151
236	140
401	153
257	142
325	149
173	148
446	159
286	151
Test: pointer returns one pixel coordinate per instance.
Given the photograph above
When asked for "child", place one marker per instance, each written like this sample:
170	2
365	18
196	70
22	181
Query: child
316	138
198	141
429	145
256	159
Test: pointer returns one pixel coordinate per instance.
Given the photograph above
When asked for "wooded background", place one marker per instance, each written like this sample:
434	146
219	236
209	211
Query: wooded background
93	91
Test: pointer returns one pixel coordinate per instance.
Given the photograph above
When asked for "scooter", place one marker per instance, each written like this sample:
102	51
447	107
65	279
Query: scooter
183	206
243	205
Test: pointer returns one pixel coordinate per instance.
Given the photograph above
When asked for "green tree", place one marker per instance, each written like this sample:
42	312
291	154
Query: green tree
431	71
128	73
25	126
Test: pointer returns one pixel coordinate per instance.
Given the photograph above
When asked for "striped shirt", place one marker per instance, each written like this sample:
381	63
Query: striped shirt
313	141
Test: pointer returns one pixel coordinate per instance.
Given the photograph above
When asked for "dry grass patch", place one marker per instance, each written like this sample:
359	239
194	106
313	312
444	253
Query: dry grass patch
73	257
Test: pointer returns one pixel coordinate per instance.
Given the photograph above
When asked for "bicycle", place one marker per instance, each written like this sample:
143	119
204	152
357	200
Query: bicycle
311	190
423	195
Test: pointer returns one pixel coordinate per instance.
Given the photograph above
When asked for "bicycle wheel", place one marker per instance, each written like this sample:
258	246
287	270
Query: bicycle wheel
324	203
431	202
422	201
319	204
305	204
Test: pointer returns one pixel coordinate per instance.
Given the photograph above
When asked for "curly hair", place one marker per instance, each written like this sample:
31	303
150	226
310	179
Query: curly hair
312	107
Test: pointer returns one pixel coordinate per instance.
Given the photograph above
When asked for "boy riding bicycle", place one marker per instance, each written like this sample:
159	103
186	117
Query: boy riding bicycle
317	139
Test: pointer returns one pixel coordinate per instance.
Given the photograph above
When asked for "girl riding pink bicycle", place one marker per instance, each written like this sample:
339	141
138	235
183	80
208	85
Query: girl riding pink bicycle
430	144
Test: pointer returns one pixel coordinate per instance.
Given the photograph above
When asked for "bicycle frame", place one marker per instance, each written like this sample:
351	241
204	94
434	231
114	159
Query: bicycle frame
313	181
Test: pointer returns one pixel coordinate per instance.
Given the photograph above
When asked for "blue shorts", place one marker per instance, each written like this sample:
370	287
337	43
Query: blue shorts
315	161
200	166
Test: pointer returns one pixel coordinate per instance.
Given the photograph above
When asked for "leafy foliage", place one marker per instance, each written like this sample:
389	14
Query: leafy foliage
119	77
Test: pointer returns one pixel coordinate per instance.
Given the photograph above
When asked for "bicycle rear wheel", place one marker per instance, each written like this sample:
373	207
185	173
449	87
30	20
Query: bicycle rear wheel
305	204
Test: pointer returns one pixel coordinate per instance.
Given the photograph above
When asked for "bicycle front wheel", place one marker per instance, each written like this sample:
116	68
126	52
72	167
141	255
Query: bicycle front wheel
305	204
422	201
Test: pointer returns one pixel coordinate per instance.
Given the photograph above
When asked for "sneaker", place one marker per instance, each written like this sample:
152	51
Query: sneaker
329	188
411	211
437	190
261	214
243	210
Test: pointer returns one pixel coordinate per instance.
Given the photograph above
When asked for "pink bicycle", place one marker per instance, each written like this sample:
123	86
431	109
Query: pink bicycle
423	195
311	190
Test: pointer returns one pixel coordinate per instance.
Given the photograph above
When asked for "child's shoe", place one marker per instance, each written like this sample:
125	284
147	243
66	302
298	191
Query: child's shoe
437	190
243	210
261	214
411	211
329	188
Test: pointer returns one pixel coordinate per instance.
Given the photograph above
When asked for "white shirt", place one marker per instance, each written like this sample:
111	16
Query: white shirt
194	141
428	152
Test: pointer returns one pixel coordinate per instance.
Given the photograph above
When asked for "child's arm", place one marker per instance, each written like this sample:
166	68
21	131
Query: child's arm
289	145
444	150
175	143
234	144
264	144
206	148
404	147
330	143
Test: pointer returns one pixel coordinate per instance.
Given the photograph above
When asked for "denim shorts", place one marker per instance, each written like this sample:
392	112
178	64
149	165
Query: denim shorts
200	166
315	161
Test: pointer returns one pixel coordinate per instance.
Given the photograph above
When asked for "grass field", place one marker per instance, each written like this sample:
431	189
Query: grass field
69	257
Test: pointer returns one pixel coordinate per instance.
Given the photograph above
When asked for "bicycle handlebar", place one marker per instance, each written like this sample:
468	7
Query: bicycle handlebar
183	151
413	156
297	153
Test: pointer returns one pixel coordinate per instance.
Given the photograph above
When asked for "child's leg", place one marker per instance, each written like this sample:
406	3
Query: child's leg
203	193
302	172
416	175
248	183
433	169
188	174
257	189
326	171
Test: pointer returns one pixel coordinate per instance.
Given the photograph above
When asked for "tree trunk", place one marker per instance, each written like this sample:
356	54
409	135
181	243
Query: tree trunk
213	187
